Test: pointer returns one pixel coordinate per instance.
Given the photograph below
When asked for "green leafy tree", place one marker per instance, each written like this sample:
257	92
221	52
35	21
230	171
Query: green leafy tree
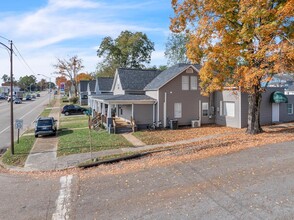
5	78
129	50
27	82
175	48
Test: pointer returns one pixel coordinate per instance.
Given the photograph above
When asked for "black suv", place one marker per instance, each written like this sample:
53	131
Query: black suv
45	126
73	109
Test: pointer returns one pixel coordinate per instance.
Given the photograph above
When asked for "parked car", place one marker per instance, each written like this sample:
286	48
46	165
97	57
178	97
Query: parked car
2	97
45	126
38	95
17	101
33	96
28	97
73	109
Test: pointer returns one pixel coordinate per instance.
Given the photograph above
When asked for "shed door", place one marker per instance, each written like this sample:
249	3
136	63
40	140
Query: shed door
275	112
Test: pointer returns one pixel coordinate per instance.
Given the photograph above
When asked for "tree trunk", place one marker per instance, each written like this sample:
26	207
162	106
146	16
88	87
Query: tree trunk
254	101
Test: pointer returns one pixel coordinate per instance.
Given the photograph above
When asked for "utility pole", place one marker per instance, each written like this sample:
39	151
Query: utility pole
11	100
11	95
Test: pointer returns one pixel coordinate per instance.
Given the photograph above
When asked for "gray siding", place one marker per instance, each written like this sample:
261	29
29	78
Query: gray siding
227	96
188	98
284	116
241	108
126	112
143	114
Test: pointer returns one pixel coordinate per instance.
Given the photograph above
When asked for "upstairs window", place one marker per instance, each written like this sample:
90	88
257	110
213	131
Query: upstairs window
185	82
193	82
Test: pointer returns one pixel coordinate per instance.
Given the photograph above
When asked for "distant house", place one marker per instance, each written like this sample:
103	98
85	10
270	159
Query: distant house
83	92
148	96
289	90
102	86
6	89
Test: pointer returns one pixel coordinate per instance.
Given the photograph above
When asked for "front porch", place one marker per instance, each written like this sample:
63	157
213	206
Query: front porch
122	113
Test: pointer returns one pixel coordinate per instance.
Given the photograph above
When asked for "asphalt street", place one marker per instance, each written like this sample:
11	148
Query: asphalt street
257	183
28	111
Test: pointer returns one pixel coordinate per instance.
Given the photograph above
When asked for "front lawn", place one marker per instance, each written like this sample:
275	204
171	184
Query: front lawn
21	151
78	141
167	135
74	137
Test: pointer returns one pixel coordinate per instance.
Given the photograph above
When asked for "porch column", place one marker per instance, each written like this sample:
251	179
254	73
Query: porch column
116	110
98	106
109	117
132	112
103	109
153	113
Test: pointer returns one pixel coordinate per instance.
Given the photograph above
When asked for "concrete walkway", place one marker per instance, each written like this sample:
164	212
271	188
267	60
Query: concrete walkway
132	139
43	153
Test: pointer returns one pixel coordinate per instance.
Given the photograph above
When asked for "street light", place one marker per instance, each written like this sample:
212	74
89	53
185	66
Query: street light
11	96
48	86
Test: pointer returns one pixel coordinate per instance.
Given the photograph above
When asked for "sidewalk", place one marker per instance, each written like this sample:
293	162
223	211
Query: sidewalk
43	153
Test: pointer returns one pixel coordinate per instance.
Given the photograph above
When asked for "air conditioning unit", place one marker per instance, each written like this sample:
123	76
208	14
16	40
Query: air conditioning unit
196	123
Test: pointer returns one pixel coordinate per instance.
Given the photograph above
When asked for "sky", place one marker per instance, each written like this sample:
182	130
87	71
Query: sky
44	30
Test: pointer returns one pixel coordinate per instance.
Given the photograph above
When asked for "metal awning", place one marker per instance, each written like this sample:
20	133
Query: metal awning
278	97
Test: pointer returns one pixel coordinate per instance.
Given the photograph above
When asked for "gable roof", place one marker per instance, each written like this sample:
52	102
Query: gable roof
92	85
83	85
105	83
168	74
136	79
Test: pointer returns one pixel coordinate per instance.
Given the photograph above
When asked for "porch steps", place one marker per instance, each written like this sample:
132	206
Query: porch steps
122	126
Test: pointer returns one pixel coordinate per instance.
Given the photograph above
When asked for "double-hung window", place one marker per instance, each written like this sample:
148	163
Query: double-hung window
290	109
205	109
229	109
185	82
193	82
178	110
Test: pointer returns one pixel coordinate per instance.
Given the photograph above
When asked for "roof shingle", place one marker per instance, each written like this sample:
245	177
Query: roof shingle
136	79
167	75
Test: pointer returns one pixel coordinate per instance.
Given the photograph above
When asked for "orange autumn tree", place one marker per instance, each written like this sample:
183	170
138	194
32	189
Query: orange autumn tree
241	43
60	79
83	76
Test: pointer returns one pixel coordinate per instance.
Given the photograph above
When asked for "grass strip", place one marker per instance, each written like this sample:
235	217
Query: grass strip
78	141
21	151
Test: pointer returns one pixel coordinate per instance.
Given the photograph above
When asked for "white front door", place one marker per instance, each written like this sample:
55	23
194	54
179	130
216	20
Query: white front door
275	112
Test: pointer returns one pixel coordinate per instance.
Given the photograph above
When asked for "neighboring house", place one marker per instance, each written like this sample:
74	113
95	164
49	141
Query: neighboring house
231	107
91	87
148	96
102	86
83	92
289	90
6	89
128	100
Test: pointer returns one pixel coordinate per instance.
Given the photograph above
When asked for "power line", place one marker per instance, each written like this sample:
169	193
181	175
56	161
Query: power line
4	38
23	60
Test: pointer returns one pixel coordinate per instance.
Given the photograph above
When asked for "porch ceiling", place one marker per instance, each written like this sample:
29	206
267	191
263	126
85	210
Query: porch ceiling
125	99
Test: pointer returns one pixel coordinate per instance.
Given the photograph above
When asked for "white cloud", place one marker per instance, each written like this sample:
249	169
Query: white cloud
73	27
72	4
